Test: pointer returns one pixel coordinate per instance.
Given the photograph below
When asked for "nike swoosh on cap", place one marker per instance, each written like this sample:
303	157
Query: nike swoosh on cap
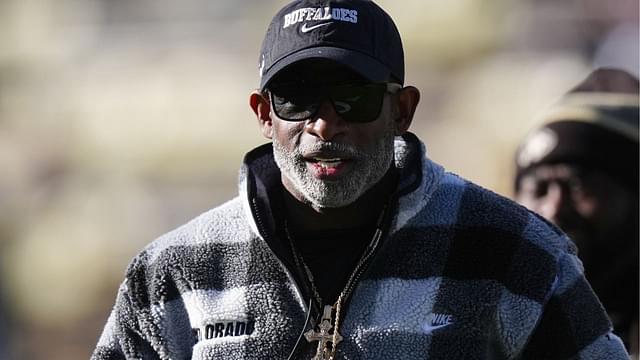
306	29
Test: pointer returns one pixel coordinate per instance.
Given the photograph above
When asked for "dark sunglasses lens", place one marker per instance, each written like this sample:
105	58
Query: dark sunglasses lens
358	103
294	104
353	102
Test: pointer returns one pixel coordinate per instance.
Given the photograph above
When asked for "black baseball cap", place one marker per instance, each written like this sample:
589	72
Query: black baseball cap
355	33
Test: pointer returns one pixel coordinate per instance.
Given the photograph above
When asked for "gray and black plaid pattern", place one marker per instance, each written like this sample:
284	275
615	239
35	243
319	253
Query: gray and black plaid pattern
462	273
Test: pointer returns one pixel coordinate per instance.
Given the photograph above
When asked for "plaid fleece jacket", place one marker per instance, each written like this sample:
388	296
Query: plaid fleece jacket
461	273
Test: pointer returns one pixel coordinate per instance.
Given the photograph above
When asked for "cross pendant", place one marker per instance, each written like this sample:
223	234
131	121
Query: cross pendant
323	336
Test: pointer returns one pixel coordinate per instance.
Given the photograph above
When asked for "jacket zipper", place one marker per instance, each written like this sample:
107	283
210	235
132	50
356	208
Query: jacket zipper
362	265
263	233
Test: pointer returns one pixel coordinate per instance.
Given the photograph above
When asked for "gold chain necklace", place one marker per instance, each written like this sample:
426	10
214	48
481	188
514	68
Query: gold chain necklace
328	322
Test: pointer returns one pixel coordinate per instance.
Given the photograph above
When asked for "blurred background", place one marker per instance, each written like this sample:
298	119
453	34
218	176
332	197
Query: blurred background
120	120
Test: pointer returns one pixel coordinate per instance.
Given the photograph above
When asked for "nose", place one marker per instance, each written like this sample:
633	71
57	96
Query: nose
557	203
327	124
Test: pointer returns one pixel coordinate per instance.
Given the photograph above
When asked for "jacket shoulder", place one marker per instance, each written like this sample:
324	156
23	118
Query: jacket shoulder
179	259
222	224
481	208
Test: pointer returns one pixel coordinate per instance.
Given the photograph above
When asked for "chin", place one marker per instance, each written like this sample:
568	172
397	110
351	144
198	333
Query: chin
324	204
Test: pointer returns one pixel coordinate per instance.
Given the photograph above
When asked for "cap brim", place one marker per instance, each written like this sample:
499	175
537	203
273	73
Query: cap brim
363	64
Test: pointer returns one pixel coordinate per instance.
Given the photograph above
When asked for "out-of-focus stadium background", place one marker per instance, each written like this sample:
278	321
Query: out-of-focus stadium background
120	120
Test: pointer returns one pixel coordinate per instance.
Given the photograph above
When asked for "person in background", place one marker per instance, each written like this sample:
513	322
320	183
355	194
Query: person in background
580	171
345	241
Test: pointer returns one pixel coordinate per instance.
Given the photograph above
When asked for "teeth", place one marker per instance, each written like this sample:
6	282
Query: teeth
328	163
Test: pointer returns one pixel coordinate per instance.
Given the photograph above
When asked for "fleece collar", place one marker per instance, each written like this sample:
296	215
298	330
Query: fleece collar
261	187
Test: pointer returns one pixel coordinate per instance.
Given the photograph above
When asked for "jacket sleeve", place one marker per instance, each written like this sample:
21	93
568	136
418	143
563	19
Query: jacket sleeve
128	333
573	324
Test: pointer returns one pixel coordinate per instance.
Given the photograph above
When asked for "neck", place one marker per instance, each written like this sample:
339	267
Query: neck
363	211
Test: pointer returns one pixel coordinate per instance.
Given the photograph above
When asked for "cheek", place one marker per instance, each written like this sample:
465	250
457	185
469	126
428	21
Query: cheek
526	196
605	201
608	211
287	133
589	207
369	135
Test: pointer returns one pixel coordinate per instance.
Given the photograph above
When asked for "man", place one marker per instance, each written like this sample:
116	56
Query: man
580	171
346	242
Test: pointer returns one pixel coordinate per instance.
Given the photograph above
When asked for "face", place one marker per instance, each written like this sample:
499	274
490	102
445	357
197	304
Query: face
327	168
589	206
325	160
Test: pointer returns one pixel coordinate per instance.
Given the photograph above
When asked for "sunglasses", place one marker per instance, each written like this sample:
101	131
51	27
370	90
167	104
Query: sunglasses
356	103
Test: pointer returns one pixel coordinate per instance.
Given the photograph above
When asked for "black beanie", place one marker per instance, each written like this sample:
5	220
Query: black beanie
594	126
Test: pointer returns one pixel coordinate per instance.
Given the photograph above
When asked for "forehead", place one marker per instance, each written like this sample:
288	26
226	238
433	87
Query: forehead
316	72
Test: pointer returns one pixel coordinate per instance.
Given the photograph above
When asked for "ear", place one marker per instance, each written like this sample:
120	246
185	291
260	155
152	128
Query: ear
261	106
407	101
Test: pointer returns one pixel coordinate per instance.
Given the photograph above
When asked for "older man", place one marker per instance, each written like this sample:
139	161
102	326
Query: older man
345	241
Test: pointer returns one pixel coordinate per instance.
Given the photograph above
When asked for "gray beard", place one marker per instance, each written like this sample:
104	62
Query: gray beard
368	168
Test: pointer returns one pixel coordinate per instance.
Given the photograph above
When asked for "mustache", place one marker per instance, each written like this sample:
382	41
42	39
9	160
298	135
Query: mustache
328	146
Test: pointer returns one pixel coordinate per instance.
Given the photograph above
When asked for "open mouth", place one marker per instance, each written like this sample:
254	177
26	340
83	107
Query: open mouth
326	162
330	163
327	168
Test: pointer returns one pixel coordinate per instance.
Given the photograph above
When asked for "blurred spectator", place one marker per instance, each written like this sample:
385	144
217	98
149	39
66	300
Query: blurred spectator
580	171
